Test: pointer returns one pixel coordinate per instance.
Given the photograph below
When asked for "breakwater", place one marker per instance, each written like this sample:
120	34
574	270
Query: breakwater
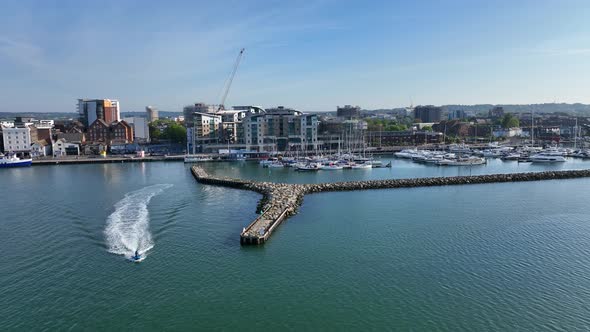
282	200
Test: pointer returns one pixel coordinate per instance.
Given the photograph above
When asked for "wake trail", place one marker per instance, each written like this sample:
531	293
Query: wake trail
127	227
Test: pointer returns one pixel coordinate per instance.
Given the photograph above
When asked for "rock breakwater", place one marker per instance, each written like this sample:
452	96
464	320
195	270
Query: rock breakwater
281	200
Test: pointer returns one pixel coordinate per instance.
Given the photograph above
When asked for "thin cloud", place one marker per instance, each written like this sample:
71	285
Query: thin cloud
20	52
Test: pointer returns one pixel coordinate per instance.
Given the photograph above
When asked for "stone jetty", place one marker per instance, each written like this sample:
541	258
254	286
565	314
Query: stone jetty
281	200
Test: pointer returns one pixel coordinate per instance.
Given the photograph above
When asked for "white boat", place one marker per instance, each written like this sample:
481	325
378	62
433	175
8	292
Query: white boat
307	167
14	161
546	158
362	166
459	148
266	162
406	153
511	156
331	167
196	159
276	164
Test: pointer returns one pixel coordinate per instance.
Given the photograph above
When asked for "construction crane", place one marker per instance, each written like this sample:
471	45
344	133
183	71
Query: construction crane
230	80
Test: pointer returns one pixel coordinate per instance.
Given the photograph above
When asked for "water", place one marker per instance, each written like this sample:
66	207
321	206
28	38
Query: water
508	256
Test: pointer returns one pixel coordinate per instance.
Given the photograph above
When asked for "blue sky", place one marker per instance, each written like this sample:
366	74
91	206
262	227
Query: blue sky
311	55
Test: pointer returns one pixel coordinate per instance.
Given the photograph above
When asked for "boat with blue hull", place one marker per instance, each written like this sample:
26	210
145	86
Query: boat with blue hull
14	161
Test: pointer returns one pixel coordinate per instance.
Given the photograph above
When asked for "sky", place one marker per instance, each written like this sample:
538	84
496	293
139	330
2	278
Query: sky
310	55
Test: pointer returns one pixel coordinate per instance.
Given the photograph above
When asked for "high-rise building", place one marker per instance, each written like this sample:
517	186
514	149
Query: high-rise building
152	113
428	114
92	109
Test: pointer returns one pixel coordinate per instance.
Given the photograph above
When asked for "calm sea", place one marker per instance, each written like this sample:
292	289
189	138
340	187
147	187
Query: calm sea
478	257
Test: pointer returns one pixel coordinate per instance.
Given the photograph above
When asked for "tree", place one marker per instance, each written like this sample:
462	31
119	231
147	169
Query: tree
154	131
175	132
510	121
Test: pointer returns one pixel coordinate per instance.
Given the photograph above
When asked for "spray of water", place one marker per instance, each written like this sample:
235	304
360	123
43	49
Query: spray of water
127	227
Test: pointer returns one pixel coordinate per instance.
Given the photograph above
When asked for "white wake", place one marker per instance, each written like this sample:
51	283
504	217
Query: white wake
127	227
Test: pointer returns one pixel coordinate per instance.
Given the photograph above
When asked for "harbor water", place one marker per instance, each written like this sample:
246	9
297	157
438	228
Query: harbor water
506	256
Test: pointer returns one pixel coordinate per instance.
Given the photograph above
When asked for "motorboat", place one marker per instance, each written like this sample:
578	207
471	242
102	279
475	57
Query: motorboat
276	164
307	167
362	166
546	158
14	161
511	156
331	167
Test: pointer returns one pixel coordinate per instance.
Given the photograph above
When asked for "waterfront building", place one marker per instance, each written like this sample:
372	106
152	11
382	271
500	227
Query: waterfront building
204	130
61	148
92	109
427	113
151	113
121	132
40	148
140	127
348	112
117	132
281	129
18	140
73	134
189	110
98	131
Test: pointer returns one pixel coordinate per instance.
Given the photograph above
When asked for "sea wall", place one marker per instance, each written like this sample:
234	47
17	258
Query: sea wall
446	181
281	200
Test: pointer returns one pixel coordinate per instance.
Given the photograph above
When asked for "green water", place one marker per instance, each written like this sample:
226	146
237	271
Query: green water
480	257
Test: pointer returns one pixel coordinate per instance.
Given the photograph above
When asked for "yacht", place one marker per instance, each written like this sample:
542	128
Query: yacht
331	167
362	166
406	153
546	158
307	167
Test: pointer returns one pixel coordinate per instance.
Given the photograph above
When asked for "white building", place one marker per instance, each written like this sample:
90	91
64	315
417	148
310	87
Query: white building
40	149
141	130
45	124
7	124
62	148
17	139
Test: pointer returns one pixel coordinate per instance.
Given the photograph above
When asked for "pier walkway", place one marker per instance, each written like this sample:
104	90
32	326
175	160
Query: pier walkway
281	200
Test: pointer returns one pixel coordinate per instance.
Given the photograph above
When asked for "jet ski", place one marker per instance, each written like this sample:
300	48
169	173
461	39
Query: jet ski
136	257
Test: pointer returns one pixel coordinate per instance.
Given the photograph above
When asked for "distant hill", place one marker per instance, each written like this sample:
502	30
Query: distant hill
580	109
